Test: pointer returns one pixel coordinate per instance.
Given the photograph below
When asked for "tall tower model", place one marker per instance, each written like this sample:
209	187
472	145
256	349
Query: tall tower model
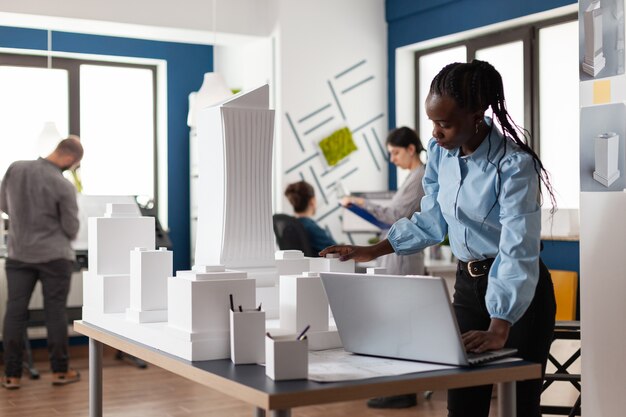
235	140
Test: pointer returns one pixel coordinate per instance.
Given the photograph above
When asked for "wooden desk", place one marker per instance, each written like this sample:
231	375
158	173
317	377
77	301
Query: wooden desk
249	383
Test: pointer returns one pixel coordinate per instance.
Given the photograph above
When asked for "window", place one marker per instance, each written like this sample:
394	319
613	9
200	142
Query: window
117	130
111	106
539	66
558	110
30	97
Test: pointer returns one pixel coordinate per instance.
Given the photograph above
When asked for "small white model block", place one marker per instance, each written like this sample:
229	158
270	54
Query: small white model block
378	270
606	150
198	306
331	263
291	262
112	238
105	294
303	302
149	270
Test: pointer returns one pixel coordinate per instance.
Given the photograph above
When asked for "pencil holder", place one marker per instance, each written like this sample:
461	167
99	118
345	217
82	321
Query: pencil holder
286	358
247	331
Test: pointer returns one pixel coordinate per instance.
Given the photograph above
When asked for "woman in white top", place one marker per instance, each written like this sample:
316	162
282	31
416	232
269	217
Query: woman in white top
404	148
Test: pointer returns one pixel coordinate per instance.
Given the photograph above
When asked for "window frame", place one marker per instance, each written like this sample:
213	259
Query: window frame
72	66
528	34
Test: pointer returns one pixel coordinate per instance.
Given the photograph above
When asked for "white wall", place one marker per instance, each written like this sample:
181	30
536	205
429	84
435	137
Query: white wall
315	42
242	17
602	265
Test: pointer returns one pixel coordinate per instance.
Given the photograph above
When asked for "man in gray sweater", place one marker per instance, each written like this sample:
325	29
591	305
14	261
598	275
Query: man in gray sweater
43	215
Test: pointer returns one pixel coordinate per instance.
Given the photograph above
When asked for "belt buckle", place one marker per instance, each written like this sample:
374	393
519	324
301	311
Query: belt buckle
471	272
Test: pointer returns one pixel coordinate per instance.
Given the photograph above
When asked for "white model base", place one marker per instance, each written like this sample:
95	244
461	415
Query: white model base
106	293
593	68
265	276
196	347
606	181
146	316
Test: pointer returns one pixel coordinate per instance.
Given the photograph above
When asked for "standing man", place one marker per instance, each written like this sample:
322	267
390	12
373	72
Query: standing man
43	214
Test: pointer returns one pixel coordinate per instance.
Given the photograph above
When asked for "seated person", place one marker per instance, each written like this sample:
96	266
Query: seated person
302	197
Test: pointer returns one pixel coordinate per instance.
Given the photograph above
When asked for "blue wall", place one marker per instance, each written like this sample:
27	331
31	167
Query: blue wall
411	21
186	65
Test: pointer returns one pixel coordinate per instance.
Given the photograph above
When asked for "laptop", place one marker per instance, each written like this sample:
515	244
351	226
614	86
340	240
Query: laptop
401	317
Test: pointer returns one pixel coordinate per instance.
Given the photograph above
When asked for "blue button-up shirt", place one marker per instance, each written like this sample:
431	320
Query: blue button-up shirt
462	200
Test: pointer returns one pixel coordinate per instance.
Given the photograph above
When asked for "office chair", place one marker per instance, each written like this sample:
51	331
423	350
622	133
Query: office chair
565	328
290	234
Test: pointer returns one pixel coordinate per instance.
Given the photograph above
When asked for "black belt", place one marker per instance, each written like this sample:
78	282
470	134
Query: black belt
476	269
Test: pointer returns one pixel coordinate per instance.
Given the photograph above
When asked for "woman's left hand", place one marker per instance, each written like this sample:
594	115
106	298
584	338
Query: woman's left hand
346	201
493	338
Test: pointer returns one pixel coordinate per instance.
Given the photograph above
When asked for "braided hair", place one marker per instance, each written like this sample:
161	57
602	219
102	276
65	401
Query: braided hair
476	86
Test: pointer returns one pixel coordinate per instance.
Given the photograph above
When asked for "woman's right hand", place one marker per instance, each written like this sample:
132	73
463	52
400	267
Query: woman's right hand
359	253
346	252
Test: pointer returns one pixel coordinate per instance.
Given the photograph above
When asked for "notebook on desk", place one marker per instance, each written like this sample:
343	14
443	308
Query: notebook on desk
399	317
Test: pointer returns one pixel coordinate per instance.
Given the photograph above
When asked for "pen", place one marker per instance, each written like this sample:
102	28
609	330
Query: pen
303	332
259	309
268	335
232	305
240	309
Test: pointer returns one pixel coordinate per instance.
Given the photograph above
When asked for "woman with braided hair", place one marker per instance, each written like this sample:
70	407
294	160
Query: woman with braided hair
483	189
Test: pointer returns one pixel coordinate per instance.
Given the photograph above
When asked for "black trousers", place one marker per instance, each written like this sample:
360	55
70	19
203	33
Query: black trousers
531	336
55	279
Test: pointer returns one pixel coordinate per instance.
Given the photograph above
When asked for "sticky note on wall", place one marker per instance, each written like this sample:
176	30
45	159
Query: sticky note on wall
602	92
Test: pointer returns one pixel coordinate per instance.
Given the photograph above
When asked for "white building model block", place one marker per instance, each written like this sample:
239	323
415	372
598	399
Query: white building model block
303	300
199	303
149	270
594	60
331	263
235	141
606	154
291	262
106	285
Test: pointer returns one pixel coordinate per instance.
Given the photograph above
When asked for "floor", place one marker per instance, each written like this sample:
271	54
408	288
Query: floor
130	391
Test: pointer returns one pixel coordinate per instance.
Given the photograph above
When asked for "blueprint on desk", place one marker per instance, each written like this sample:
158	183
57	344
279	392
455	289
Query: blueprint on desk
338	365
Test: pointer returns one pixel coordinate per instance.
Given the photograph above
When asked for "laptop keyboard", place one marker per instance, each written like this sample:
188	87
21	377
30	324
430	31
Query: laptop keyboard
492	355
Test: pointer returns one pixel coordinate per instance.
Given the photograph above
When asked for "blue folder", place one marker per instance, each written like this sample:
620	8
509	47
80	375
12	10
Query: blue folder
367	216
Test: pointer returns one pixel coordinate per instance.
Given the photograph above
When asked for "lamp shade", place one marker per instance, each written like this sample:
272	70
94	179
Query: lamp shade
212	91
48	139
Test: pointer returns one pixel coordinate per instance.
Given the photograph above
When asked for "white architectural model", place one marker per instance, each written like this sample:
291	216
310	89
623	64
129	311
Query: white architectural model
130	288
106	285
235	189
594	60
606	152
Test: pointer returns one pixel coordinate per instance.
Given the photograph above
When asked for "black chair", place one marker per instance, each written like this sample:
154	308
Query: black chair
290	234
